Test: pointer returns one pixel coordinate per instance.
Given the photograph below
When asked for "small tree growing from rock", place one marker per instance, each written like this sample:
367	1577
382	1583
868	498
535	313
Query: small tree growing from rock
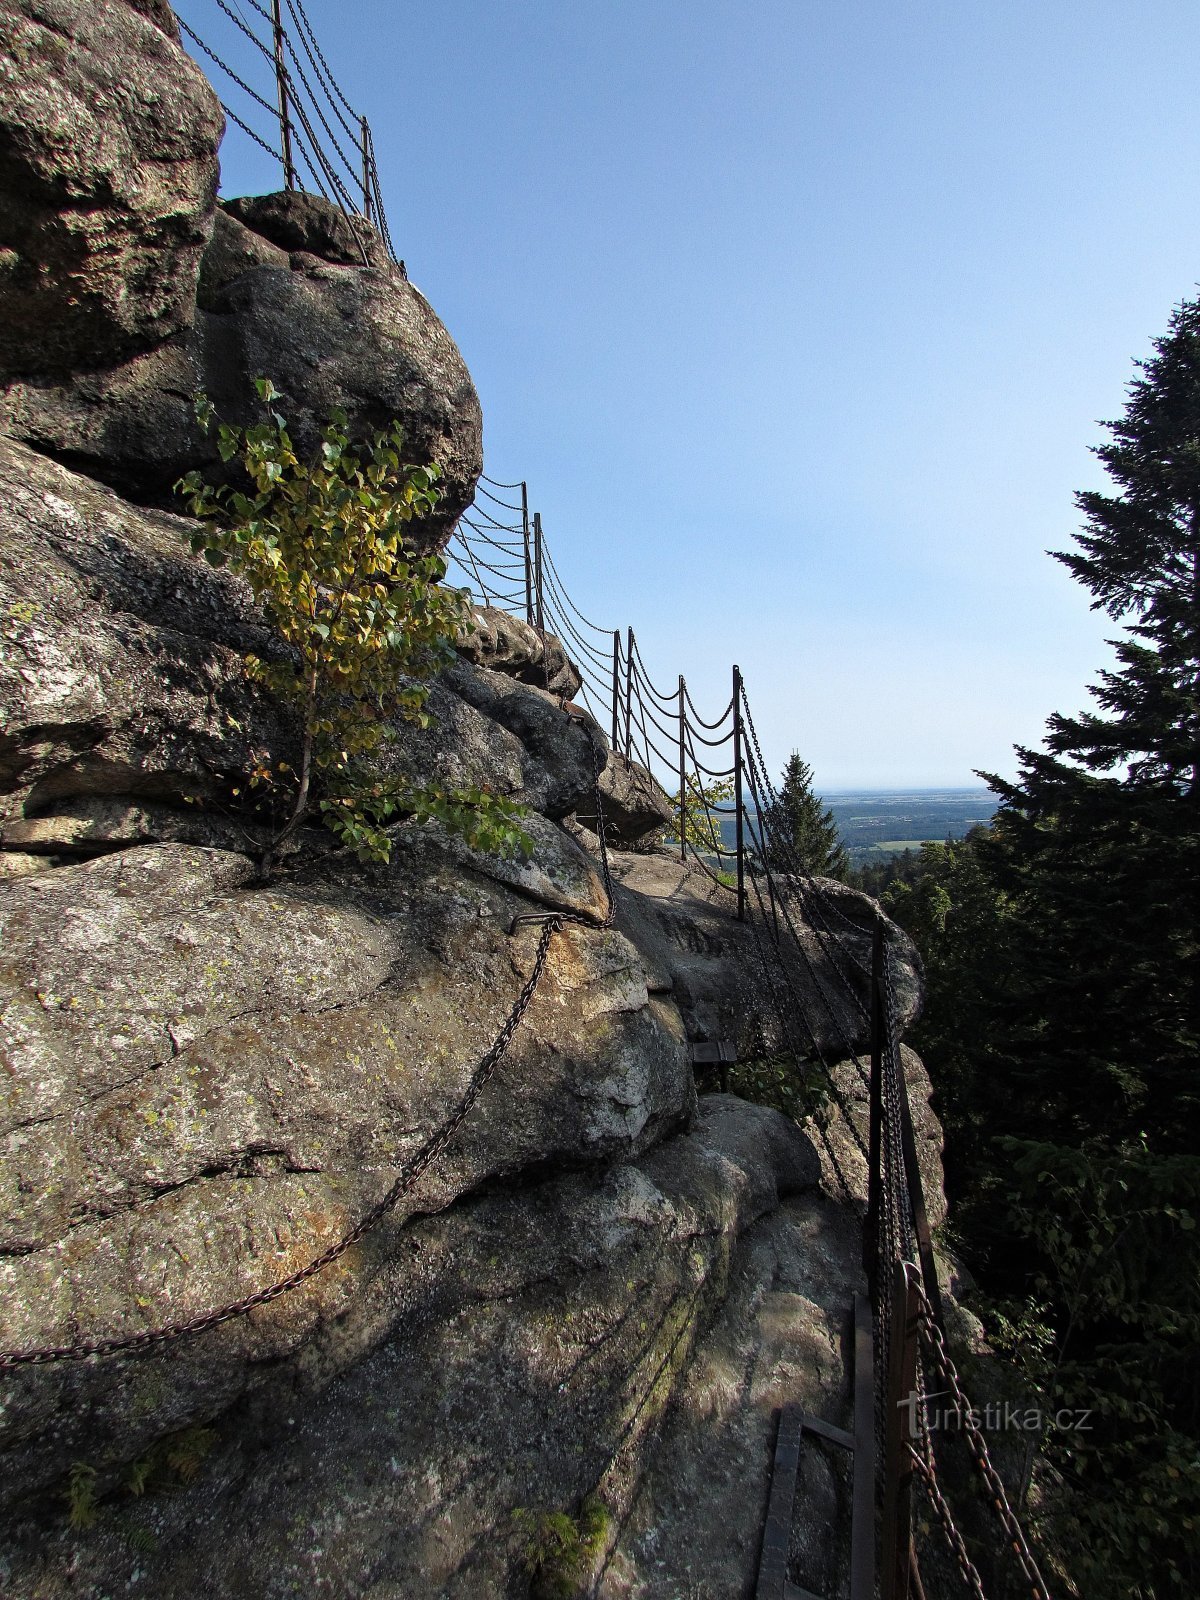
364	619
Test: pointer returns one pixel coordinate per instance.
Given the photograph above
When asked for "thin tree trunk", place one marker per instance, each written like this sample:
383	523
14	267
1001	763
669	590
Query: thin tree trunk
300	809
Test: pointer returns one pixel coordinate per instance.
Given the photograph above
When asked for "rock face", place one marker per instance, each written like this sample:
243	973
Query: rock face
208	1081
537	1338
636	807
509	645
108	178
329	334
121	676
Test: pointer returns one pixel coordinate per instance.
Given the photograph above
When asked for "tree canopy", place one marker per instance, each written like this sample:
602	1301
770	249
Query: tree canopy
801	833
1063	1024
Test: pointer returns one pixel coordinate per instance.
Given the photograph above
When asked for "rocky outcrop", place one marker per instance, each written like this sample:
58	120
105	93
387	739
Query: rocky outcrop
636	807
330	335
510	645
726	983
108	179
121	679
362	339
114	314
537	1336
209	1078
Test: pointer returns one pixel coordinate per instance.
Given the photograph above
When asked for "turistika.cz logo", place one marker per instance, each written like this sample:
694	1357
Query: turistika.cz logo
998	1416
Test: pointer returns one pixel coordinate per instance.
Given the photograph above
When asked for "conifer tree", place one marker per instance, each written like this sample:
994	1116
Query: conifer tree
1088	1031
802	833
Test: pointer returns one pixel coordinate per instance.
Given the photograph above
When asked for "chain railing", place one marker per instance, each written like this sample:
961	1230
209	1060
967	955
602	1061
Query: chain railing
307	124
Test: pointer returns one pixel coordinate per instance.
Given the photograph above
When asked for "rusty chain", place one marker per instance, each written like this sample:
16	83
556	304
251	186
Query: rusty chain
923	1465
430	1152
935	1343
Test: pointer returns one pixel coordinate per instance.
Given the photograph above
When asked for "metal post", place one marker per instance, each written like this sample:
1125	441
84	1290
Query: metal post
862	1528
628	693
528	558
875	1145
285	125
682	775
616	683
737	792
538	619
916	1191
366	155
900	1426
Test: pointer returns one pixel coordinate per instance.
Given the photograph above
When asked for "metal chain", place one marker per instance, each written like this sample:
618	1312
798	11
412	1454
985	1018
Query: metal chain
923	1464
997	1497
429	1153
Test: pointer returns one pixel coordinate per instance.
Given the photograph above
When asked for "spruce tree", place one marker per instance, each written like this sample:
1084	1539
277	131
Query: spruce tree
1088	1196
803	834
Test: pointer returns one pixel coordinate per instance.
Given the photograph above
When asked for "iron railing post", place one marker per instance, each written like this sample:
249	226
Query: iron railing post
862	1528
737	793
528	560
875	1137
285	123
539	620
900	1429
366	176
628	693
682	774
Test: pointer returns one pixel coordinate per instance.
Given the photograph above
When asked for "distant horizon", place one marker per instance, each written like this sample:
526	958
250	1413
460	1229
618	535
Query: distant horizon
904	788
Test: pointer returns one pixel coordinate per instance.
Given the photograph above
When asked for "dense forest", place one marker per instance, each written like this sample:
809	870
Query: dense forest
1062	1030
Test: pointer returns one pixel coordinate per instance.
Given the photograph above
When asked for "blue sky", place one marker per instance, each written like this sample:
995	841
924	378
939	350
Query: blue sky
799	320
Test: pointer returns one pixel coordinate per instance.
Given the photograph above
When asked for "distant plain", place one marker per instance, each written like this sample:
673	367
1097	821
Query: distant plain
876	823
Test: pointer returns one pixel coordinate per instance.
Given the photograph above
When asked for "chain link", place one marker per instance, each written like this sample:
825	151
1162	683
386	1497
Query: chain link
923	1464
996	1495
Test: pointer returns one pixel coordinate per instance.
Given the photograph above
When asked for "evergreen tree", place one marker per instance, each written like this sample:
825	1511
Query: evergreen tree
802	833
1064	1021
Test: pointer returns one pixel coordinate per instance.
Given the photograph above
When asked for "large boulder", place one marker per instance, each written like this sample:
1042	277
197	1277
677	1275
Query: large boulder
637	809
328	333
508	644
121	682
108	178
209	1079
540	1337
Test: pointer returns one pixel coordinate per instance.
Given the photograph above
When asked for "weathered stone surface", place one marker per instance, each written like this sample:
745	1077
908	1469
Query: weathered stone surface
233	250
108	177
779	1337
509	645
93	825
121	673
293	221
635	804
362	339
208	1080
685	925
843	1165
570	747
534	1339
121	666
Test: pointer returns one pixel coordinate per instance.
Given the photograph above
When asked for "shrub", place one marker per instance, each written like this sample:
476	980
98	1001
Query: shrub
363	618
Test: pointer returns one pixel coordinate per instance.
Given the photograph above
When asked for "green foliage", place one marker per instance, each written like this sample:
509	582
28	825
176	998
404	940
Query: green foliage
790	1084
81	1496
170	1461
558	1550
362	617
702	814
803	834
1062	1028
